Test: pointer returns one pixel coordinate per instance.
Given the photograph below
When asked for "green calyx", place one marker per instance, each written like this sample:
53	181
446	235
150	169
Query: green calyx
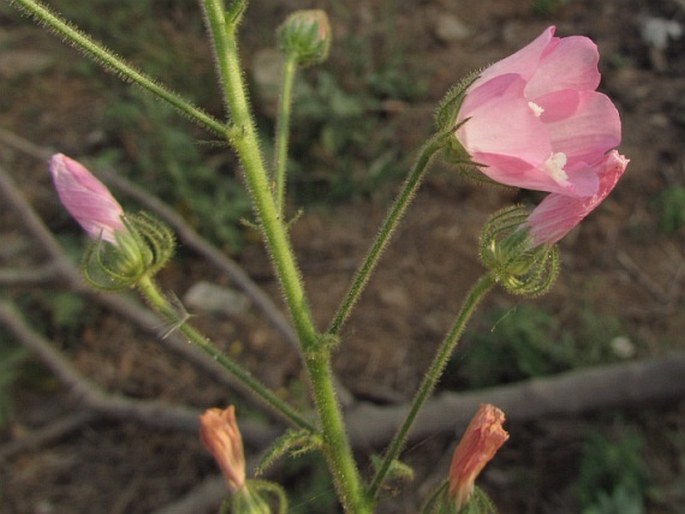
442	503
507	250
306	36
248	501
142	249
293	443
446	113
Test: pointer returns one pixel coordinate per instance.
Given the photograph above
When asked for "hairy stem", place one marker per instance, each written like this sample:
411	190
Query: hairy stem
163	306
106	58
430	379
243	137
283	130
393	218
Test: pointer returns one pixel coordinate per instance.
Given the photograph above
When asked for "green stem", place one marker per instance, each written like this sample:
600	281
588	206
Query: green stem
109	60
161	304
243	138
477	293
283	129
337	449
394	216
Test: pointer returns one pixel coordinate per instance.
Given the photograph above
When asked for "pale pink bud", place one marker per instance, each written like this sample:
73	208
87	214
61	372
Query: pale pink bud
557	214
535	121
86	198
481	440
220	435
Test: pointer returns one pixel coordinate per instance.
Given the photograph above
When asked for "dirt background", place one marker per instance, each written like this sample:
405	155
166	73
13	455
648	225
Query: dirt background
619	263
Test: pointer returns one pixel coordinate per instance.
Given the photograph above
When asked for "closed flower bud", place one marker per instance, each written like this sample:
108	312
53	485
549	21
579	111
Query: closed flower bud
125	247
306	35
87	199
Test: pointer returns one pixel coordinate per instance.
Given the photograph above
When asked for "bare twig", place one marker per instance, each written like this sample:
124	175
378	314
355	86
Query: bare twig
151	413
206	497
55	431
29	276
658	292
626	385
14	199
24	145
185	232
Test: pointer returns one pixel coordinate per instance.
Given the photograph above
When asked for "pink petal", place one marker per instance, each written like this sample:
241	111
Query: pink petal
586	134
484	132
558	214
524	62
567	63
86	198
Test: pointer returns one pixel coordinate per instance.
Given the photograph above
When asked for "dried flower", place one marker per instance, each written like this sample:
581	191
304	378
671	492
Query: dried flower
220	435
535	121
86	198
481	440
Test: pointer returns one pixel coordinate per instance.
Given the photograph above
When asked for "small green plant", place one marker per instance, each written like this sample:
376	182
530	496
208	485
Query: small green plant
546	7
12	358
672	209
313	490
343	149
527	341
612	478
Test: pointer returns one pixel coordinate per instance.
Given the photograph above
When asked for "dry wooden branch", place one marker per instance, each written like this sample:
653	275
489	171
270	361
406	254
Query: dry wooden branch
626	385
29	276
153	413
50	433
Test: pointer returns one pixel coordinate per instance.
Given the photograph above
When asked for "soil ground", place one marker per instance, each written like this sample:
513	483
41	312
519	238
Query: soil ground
619	264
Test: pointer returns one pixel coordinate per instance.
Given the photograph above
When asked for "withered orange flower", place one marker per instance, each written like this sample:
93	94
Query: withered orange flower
220	435
481	440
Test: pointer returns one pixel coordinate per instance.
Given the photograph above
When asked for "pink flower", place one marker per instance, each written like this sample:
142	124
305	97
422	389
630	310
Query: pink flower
557	214
535	121
221	437
481	440
86	198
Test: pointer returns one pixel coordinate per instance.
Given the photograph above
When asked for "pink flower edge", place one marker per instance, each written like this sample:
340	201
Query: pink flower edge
86	198
557	214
